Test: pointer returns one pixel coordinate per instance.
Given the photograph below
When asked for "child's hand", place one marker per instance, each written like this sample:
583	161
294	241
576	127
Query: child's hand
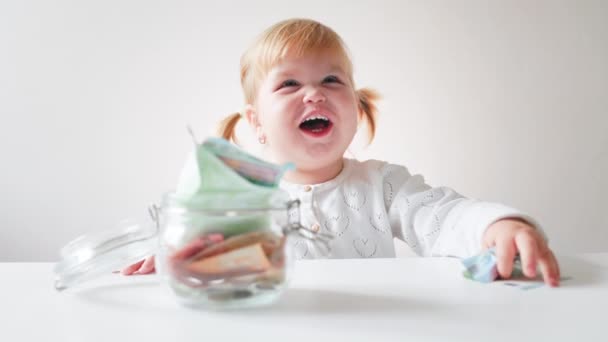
146	266
512	236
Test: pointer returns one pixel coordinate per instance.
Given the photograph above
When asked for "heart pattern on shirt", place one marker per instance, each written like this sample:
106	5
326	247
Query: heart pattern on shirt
354	199
431	196
387	170
300	249
379	222
425	199
411	241
366	248
337	225
436	228
387	189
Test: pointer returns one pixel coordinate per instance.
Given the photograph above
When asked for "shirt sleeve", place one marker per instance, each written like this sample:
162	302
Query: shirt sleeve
439	221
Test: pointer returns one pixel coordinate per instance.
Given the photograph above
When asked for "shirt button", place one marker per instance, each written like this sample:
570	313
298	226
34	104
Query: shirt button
307	188
315	227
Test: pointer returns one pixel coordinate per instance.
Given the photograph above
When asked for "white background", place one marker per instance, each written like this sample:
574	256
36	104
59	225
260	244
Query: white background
501	100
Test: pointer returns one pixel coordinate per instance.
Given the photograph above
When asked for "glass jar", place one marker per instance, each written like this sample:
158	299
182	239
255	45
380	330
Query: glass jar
212	258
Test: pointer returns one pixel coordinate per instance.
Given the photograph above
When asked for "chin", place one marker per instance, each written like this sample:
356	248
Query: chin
307	156
318	161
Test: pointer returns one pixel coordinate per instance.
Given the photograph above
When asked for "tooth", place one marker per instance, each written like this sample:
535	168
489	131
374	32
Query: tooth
316	117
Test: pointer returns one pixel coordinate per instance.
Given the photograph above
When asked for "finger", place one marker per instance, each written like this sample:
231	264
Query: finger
132	268
148	266
556	263
197	245
189	250
215	238
549	268
505	253
528	251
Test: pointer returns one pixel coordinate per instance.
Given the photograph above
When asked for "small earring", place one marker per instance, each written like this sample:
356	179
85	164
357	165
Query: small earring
262	140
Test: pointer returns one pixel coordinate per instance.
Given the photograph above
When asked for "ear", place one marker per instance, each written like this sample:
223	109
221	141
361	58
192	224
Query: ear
253	120
251	116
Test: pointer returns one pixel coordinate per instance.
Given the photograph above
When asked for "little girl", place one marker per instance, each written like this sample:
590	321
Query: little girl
302	102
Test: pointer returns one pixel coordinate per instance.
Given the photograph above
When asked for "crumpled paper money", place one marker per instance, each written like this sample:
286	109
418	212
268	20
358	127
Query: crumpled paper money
483	267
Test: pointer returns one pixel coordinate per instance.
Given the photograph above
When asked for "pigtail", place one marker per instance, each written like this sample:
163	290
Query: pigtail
228	125
368	109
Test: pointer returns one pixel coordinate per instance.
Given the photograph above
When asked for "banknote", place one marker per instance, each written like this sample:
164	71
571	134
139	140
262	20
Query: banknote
483	267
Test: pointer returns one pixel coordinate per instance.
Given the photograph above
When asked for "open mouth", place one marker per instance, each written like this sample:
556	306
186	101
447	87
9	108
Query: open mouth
316	125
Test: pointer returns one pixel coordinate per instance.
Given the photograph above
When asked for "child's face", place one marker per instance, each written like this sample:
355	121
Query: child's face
306	109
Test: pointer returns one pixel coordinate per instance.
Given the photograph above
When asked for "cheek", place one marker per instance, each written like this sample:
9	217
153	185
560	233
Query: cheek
349	104
352	108
274	121
347	98
275	111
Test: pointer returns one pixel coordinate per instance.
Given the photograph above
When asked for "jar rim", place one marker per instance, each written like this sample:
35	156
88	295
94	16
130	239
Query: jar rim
171	202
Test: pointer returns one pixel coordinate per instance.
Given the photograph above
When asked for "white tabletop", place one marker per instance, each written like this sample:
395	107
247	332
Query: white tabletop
408	299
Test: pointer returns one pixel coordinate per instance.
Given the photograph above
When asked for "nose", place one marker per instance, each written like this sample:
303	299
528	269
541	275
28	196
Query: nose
314	95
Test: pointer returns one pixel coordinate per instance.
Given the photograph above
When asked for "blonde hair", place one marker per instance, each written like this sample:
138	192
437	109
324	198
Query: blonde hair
297	38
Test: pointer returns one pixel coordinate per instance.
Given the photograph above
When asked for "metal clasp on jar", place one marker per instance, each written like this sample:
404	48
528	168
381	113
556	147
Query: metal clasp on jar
320	240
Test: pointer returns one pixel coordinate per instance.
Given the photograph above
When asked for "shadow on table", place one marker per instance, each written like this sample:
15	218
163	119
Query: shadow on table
135	295
294	300
583	271
327	302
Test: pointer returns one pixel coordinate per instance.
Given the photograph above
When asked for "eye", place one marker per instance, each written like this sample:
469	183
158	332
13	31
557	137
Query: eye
288	83
331	79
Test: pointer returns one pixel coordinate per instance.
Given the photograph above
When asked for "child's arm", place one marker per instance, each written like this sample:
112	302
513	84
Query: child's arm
441	222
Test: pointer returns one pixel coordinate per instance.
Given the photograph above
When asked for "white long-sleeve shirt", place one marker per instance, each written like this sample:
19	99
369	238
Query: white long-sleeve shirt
369	203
